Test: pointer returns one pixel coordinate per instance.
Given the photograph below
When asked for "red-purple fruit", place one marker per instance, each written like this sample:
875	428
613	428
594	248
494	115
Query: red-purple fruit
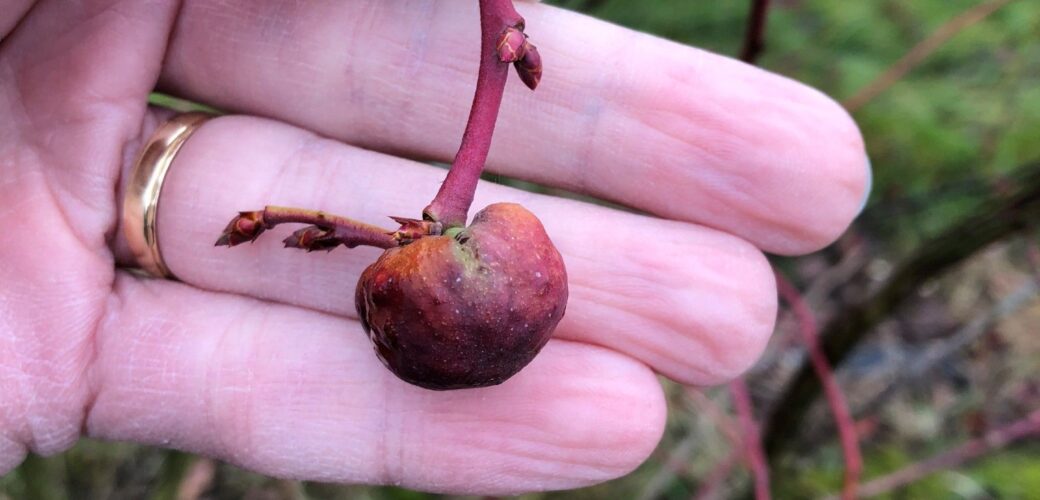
469	308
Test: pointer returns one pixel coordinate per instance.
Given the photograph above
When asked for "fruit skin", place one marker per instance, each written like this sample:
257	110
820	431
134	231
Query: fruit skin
469	308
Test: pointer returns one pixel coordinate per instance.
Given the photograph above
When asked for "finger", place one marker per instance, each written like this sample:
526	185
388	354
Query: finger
695	304
292	393
679	132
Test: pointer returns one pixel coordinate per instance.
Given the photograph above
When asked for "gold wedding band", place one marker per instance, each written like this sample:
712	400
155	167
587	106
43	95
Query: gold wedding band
140	207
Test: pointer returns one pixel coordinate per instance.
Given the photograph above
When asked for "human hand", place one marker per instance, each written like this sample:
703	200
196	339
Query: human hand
257	357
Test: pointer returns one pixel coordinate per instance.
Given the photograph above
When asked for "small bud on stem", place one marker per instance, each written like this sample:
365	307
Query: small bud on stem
313	238
529	67
413	229
502	42
511	45
246	227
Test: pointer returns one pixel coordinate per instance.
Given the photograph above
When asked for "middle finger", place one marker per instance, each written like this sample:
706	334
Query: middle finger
712	140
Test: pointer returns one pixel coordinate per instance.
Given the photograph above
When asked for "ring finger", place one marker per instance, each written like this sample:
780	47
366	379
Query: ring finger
695	304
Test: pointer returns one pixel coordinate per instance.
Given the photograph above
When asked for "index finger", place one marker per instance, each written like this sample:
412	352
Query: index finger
672	130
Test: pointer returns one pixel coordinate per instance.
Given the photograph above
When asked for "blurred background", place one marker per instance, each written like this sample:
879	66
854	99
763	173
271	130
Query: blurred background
925	313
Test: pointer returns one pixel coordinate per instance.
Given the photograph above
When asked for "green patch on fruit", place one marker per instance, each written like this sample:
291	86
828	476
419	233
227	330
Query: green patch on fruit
465	254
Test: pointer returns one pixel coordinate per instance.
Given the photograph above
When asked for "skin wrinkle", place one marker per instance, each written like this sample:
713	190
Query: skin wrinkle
142	367
23	177
293	161
517	418
308	158
615	84
593	110
418	44
258	386
224	20
364	431
619	297
712	366
13	414
24	68
280	27
114	310
536	464
14	16
89	333
663	353
405	74
229	406
87	80
611	94
709	183
113	307
669	315
726	187
131	149
707	116
41	431
666	353
71	203
305	406
510	445
17	110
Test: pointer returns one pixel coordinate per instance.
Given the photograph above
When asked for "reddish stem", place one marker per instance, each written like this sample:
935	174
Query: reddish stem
992	440
451	205
327	230
755	34
752	439
835	398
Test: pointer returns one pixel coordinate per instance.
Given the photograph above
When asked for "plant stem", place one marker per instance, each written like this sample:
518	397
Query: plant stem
996	439
752	442
327	231
835	397
921	51
755	34
451	205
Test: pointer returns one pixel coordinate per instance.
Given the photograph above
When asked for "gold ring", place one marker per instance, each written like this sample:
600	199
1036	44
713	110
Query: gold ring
140	207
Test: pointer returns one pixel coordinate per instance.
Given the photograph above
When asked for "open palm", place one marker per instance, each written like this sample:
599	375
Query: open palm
256	357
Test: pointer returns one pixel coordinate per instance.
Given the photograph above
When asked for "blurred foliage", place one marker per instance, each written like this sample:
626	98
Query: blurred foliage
968	113
937	139
1012	474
